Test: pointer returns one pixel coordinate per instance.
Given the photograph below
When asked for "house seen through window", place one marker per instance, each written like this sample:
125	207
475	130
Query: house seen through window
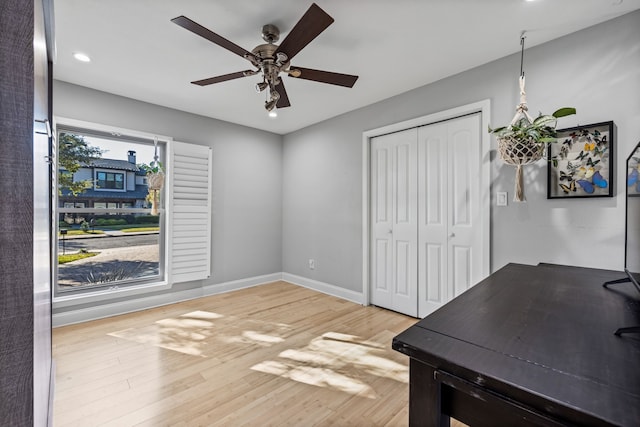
110	233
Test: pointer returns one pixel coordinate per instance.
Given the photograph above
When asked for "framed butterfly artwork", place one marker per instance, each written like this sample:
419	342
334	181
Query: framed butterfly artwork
580	164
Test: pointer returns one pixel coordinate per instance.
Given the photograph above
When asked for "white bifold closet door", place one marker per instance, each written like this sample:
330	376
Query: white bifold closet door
426	244
394	219
450	240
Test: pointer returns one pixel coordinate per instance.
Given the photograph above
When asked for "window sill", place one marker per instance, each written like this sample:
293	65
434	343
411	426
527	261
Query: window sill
108	294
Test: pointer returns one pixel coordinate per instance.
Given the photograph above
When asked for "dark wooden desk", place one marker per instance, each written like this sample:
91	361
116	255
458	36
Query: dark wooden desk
529	345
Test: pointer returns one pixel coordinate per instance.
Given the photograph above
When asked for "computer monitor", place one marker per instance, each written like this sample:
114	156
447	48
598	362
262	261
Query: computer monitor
632	230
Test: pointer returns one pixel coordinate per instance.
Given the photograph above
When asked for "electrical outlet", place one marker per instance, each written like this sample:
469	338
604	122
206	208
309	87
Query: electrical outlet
312	264
501	198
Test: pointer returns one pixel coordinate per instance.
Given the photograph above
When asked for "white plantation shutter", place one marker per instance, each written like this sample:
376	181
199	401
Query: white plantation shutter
189	249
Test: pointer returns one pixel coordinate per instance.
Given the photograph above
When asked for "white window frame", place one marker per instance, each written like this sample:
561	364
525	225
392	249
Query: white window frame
105	294
178	155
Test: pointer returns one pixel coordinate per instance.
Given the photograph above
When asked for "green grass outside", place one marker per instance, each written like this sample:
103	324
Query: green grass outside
63	259
133	230
83	233
129	227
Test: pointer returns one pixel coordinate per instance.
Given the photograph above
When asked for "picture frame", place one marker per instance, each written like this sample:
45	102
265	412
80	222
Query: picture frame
580	162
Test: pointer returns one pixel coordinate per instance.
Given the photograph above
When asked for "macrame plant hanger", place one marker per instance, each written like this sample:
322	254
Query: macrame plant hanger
520	152
155	178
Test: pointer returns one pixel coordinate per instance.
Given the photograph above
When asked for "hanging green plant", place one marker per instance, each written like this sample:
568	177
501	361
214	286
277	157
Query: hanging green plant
541	131
153	167
155	174
525	139
155	179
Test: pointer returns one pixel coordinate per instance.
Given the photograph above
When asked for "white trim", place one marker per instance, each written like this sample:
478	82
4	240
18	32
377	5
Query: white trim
121	307
106	294
65	121
235	285
484	107
366	200
324	288
129	306
146	302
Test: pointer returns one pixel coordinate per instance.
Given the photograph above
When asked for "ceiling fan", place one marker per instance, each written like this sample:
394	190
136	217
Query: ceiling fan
270	59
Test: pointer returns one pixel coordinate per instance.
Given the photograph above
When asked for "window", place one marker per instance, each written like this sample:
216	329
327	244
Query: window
121	236
102	192
109	181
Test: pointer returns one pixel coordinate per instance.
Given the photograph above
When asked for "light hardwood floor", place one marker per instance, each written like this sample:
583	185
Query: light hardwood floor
272	355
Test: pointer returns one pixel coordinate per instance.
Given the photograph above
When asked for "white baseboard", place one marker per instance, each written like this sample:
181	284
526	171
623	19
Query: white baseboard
325	288
234	285
145	302
100	311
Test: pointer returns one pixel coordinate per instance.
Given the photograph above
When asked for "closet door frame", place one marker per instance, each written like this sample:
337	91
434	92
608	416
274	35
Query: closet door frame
483	107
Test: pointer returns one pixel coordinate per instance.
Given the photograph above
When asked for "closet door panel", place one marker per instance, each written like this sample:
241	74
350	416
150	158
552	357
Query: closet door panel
460	178
465	230
435	257
394	221
461	268
432	218
402	170
381	220
449	236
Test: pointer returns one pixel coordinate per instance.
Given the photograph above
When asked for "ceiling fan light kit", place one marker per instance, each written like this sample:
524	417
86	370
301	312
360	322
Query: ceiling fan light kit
271	60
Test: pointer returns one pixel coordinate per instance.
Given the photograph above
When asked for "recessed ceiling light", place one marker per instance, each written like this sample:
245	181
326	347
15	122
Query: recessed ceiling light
81	57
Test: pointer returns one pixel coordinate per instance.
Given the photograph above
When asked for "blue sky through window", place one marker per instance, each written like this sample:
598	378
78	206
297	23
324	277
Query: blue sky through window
118	150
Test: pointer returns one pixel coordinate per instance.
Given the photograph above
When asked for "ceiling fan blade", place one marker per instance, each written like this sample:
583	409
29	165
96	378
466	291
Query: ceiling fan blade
346	80
284	98
312	23
198	29
223	78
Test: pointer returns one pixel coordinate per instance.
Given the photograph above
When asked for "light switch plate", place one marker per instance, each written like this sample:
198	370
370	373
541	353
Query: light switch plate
501	198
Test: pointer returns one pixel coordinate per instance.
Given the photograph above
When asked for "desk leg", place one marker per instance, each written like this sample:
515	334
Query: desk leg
425	393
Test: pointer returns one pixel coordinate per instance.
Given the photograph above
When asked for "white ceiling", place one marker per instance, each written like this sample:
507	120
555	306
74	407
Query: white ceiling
394	46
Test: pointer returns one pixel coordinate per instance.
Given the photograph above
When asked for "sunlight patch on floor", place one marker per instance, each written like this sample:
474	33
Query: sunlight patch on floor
319	377
205	315
264	338
340	361
196	333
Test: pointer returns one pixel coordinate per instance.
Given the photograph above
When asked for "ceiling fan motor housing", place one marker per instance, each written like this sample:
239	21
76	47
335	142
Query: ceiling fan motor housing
269	62
270	33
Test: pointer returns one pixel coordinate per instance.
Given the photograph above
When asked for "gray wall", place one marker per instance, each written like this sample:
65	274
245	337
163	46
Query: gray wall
247	180
279	201
596	70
